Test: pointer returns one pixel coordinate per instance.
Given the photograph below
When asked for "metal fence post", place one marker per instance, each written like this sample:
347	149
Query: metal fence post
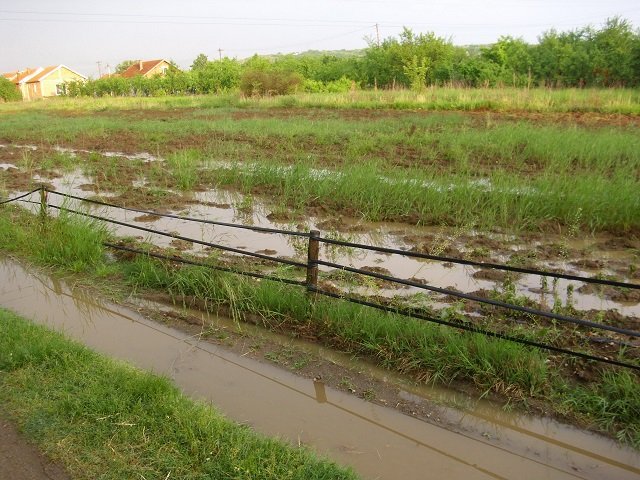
43	203
312	261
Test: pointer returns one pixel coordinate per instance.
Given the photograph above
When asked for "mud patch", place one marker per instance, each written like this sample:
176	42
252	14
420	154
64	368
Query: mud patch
147	218
180	245
161	201
21	460
492	275
616	294
88	187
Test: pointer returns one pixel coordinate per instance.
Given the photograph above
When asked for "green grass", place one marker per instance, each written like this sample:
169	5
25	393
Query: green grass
588	202
62	396
70	241
540	174
397	342
610	405
437	98
430	353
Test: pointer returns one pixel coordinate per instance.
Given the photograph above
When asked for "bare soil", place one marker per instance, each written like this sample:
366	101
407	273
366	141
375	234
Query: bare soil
20	460
591	119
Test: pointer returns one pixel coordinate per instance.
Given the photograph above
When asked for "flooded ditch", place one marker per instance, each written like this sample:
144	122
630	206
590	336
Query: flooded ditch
380	443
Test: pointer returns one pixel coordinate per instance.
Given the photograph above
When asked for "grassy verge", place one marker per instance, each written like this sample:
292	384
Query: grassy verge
608	100
609	401
63	397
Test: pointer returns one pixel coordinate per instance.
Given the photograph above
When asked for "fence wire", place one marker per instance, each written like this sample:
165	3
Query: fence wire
313	263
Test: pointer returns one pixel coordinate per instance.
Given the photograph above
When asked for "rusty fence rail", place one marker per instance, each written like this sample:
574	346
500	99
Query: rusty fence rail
313	263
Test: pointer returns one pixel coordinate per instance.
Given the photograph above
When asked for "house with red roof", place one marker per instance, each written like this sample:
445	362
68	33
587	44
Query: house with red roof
43	82
148	68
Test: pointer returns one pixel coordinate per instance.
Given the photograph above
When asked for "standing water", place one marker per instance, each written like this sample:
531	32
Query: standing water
379	442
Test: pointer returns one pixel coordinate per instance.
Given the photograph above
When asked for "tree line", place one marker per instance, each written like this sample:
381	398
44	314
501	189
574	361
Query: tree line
608	56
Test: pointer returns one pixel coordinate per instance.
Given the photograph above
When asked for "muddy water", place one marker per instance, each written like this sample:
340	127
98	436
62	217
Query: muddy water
379	443
72	152
219	206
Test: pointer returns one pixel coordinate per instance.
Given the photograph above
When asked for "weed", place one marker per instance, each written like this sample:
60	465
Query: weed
346	384
369	394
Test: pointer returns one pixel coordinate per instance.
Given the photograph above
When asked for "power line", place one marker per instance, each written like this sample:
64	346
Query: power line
254	21
169	22
196	17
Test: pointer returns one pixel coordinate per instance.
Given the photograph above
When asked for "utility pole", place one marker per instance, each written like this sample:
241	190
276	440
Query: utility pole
220	53
377	34
99	69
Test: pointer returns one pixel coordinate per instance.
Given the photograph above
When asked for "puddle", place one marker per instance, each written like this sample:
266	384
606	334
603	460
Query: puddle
235	208
144	156
73	183
380	443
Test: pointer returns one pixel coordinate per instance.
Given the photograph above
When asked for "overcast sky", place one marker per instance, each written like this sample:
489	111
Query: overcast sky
81	33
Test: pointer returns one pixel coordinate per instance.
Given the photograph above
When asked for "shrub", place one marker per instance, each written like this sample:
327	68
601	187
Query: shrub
8	91
260	82
336	86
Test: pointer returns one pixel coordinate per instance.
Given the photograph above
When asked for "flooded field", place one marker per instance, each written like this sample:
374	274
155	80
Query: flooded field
601	255
381	443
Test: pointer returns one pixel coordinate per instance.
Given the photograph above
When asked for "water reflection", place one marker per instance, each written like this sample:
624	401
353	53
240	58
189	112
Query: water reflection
480	443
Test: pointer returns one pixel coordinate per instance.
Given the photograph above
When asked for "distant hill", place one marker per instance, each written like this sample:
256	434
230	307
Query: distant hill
473	50
320	53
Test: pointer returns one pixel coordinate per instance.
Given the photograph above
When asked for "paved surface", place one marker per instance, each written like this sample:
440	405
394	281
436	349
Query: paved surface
20	460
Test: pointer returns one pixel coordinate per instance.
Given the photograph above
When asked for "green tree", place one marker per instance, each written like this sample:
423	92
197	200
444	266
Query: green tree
219	76
386	64
416	72
511	58
122	66
200	62
613	54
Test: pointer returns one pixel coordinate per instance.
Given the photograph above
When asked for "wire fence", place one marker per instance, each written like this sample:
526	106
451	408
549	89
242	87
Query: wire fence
311	267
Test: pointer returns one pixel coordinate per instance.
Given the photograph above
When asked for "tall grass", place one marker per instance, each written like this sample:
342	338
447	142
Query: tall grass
398	342
590	201
183	167
443	142
537	174
423	350
436	98
68	240
610	404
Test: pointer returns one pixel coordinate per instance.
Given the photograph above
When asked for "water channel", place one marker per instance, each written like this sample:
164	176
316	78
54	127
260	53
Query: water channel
379	442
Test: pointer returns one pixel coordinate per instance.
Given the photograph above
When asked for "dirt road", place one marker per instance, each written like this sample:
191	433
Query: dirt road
19	460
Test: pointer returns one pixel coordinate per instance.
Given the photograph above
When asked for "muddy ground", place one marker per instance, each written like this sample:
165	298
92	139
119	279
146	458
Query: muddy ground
20	460
591	119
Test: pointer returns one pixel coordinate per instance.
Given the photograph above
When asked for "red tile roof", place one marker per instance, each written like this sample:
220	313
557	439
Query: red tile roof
19	75
45	71
141	68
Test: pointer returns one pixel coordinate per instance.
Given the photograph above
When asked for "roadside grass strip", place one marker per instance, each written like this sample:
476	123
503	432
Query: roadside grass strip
105	419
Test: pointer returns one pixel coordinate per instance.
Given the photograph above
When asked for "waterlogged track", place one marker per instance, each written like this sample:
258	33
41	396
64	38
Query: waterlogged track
379	442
